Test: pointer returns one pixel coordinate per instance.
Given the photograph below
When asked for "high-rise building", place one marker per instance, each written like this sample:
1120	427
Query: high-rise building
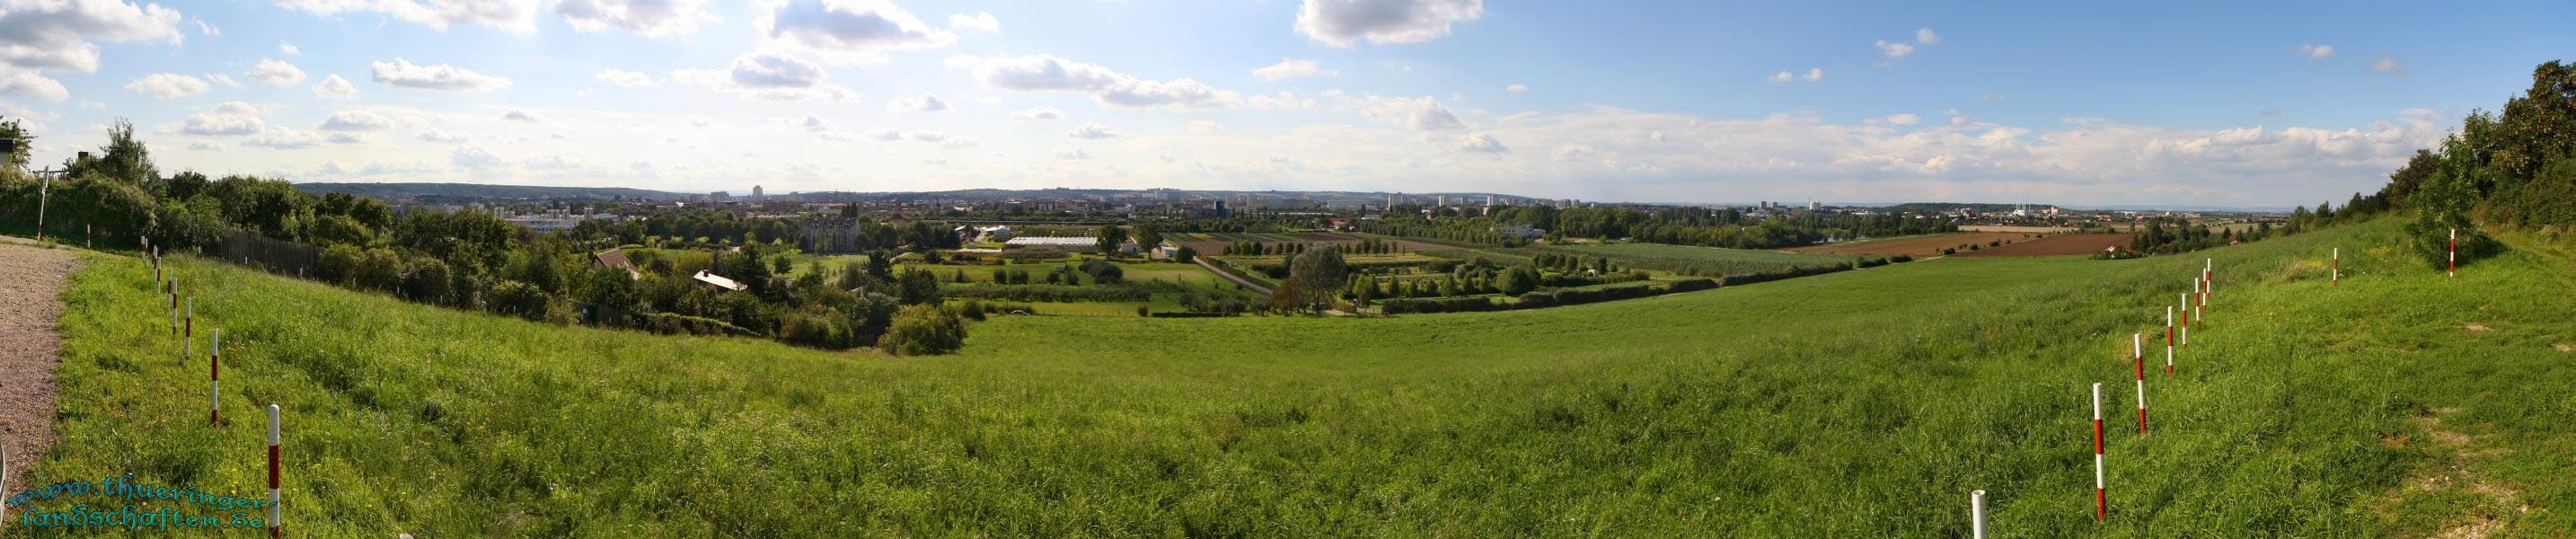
1440	201
755	193
1813	206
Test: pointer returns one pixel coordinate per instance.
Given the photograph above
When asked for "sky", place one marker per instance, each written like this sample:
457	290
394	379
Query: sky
2198	103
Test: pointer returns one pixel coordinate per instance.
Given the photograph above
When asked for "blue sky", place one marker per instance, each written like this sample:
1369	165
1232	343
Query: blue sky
2188	103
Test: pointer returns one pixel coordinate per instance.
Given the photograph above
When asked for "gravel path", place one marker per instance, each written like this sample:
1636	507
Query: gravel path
31	284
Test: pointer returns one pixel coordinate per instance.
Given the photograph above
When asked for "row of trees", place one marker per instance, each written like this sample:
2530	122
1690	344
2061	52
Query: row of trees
2514	169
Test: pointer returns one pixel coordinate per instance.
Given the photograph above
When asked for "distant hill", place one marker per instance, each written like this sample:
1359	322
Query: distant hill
1944	207
476	190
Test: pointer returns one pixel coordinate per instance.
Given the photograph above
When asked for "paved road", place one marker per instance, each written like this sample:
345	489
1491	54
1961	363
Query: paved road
1202	262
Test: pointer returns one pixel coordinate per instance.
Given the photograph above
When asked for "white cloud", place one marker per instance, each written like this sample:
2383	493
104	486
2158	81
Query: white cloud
168	86
648	18
1092	131
222	124
57	35
1517	88
517	115
289	48
1815	74
1782	76
1072	154
207	30
440	77
1902	119
513	15
929	136
886	135
921	103
1342	23
979	22
1925	36
2315	52
1037	113
1287	69
624	78
1205	127
276	73
1050	73
286	139
1481	143
334	87
206	145
2387	65
475	157
238	107
351	138
768	77
443	136
1990	97
356	120
814	123
30	84
223	80
1895	50
847	30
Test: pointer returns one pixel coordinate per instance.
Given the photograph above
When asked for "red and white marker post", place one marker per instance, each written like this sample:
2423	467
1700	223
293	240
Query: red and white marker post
2454	253
2137	349
275	530
2337	276
2142	406
188	333
2169	341
2101	502
215	382
2207	278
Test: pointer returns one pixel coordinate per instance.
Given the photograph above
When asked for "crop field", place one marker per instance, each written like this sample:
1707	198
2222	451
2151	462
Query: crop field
1212	243
2061	244
2016	229
1854	404
1698	260
1924	246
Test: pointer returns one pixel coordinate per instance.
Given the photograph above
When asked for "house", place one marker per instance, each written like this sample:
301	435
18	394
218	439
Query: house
899	220
1338	223
972	233
615	258
719	281
1130	248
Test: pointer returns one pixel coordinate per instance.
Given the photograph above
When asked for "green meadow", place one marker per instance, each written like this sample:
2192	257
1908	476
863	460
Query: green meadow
1862	403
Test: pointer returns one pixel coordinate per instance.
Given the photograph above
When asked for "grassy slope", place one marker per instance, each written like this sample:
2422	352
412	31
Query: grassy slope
1851	404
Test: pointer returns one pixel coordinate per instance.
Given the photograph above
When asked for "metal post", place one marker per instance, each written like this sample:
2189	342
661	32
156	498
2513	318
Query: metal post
1977	514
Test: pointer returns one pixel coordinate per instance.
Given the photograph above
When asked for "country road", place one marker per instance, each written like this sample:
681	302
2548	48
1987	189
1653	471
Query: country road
1202	262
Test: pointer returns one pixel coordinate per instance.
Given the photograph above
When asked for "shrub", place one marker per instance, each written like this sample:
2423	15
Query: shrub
815	326
518	299
923	330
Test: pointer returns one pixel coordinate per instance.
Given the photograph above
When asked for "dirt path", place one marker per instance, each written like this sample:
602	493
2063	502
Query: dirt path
31	284
1202	262
2457	473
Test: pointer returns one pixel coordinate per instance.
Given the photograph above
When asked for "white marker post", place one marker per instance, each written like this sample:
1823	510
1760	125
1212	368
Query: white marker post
215	382
2138	353
2101	503
2455	252
275	530
2142	406
2337	276
2186	318
1977	514
2169	341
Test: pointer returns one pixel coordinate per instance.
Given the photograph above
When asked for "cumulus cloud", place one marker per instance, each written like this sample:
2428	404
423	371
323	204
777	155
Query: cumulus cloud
979	22
356	120
443	136
1205	126
1815	74
286	139
334	87
62	35
513	15
1481	143
624	78
648	18
475	157
1072	154
1342	23
351	138
2315	52
768	77
1044	72
1894	50
222	123
1925	36
223	80
920	103
206	145
1782	76
440	77
289	48
814	123
886	135
1517	88
30	84
168	86
1092	131
848	30
276	73
1289	69
517	115
1038	113
2387	65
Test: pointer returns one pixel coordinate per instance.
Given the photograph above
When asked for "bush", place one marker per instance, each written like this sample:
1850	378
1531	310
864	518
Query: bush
513	298
816	326
923	330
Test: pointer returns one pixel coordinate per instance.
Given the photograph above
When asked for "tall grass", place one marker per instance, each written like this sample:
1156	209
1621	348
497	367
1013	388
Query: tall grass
1855	404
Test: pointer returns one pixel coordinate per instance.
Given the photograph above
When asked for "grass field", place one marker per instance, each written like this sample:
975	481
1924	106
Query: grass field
1697	260
1921	246
1852	404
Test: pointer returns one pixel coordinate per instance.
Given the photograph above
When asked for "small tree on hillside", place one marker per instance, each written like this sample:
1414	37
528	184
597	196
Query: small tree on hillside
1318	274
922	330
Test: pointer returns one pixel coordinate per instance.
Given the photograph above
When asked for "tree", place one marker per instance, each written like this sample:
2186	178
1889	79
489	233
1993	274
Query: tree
919	287
1148	237
1520	280
123	158
923	330
1110	238
19	143
1319	273
1185	254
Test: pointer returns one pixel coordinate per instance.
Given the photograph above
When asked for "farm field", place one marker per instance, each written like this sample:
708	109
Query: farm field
1696	260
2061	244
1924	246
1819	406
1212	243
2016	229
